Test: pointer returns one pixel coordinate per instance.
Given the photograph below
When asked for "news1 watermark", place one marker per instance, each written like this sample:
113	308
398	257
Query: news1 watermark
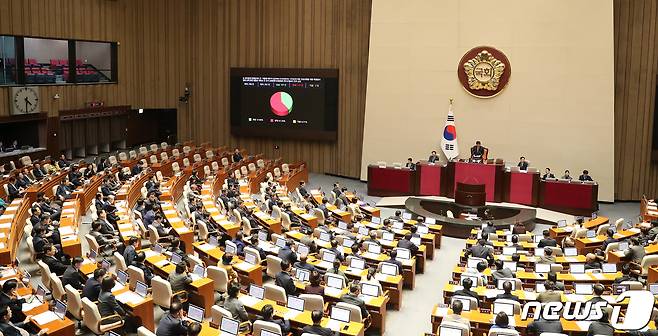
639	306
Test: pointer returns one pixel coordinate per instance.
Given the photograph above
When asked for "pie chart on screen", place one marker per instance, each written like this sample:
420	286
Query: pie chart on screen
281	103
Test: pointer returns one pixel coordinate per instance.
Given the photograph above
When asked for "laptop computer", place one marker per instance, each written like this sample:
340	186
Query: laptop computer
416	241
302	274
578	268
539	252
623	246
93	254
388	236
430	220
342	225
250	258
302	249
653	288
389	269
122	277
60	309
570	251
510	264
537	239
369	289
231	247
509	250
199	271
591	233
376	220
212	240
141	289
295	303
583	288
619	288
374	248
406	216
340	314
348	243
446	330
328	256
357	264
280	242
562	223
256	291
403	254
106	264
176	258
324	236
335	281
609	268
364	231
472	263
422	229
540	288
157	248
262	235
229	327
397	225
507	308
542	268
195	313
466	304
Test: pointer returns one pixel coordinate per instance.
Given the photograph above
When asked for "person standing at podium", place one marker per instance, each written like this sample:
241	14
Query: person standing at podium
523	164
548	174
410	164
585	176
433	157
477	152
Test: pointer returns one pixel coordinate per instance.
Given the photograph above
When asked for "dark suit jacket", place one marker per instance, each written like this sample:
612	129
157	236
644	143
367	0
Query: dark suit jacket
9	330
287	254
129	255
72	277
547	242
92	289
319	330
170	326
284	280
507	297
523	165
539	326
600	328
13	191
403	243
477	151
108	305
16	307
148	274
397	263
55	265
355	300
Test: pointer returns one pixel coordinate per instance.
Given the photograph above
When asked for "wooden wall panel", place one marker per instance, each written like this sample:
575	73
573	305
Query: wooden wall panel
636	60
282	33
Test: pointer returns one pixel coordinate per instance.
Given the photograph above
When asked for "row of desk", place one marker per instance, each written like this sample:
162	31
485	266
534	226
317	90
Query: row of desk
519	187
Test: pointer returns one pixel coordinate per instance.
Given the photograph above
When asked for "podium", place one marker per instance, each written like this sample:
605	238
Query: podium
429	178
470	194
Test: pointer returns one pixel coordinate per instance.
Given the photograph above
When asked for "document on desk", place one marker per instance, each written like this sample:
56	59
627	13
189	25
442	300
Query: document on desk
129	297
5	226
126	226
291	314
205	247
45	317
169	212
149	253
67	230
583	325
334	292
598	276
29	306
381	277
334	325
162	263
583	276
8	272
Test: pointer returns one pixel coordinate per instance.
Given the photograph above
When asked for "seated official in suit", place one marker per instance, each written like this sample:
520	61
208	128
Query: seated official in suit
551	294
107	303
501	272
317	328
10	298
547	174
179	279
315	286
302	189
14	190
477	152
585	176
392	260
598	293
72	274
456	317
267	313
92	287
237	157
172	324
602	327
406	243
635	252
507	292
302	264
433	158
284	280
547	258
286	253
466	290
10	329
541	325
547	240
55	265
480	250
129	253
523	164
410	164
567	175
352	297
139	263
227	258
234	305
501	323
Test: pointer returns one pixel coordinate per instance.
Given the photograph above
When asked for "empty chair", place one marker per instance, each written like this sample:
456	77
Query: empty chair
56	287
209	154
503	332
237	174
465	331
123	156
164	145
159	176
112	159
312	302
277	172
225	162
154	148
633	285
26	161
175	168
132	154
220	278
45	273
164	156
91	318
197	158
619	223
285	168
187	150
153	159
143	151
186	162
648	261
175	153
252	167
119	262
206	171
602	229
135	274
162	293
273	266
244	171
73	302
260	163
611	248
215	166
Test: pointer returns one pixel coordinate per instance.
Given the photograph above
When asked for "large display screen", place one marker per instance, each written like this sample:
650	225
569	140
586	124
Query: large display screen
285	103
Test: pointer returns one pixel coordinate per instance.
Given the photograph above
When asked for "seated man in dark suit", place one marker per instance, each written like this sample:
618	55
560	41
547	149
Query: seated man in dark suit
547	174
480	250
317	328
466	291
237	157
394	261
72	274
284	280
139	263
39	172
55	265
92	287
353	298
302	189
406	243
523	164
63	162
585	176
173	324
287	254
547	240
302	264
129	252
541	325
63	192
477	152
410	164
9	298
11	329
267	313
507	295
433	158
14	190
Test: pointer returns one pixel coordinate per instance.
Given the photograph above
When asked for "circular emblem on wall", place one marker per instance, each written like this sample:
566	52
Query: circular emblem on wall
484	71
